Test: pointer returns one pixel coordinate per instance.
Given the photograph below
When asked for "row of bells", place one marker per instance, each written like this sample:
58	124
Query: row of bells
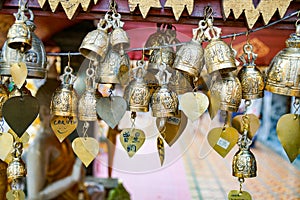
23	45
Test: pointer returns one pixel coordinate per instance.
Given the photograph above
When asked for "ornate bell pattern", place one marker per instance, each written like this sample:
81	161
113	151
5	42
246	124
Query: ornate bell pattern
19	34
218	55
137	93
87	102
96	42
158	56
64	99
35	57
156	39
164	102
180	82
250	77
284	71
228	90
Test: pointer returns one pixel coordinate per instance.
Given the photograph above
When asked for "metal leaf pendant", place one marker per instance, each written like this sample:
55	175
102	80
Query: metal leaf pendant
6	144
63	126
18	73
237	195
86	149
132	140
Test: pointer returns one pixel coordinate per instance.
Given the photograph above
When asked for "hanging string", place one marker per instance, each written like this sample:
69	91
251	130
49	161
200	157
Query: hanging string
180	44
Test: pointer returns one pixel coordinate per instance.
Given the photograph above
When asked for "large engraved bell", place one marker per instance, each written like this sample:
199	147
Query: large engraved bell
19	35
164	102
113	68
251	78
284	72
87	102
64	99
96	42
227	90
218	55
244	164
156	39
137	93
180	82
158	56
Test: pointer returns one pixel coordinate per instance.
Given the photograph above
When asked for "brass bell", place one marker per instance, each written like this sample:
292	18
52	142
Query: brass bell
64	99
164	102
113	68
158	56
87	102
16	169
180	82
19	35
137	93
3	97
227	89
35	58
283	76
189	58
251	78
119	38
218	55
96	42
156	39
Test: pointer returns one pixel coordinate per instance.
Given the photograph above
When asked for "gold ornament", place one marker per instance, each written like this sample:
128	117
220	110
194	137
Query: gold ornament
63	126
18	72
3	179
178	7
158	56
265	7
284	72
237	123
239	195
6	143
161	149
15	195
144	5
132	139
156	39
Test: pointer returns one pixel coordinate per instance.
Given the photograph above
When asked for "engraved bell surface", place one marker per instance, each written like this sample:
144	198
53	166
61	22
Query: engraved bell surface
283	76
158	56
156	39
244	164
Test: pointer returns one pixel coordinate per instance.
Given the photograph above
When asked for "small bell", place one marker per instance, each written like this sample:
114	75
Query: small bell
158	56
64	99
35	58
119	39
244	162
189	58
164	102
283	76
16	170
156	39
227	89
87	102
218	55
251	78
180	82
137	93
96	42
19	35
113	68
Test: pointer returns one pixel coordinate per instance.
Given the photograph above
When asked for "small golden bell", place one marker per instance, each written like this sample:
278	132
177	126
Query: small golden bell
284	72
158	56
64	99
137	93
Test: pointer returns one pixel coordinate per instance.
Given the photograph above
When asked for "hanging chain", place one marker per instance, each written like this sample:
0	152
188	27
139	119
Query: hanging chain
85	128
297	107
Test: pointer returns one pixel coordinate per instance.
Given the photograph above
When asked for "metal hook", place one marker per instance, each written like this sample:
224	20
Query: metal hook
208	12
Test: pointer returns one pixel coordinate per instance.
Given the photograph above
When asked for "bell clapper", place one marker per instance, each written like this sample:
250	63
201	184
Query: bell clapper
241	180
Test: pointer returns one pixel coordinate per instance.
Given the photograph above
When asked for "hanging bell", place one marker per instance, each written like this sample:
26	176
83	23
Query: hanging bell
113	68
35	58
137	93
19	35
180	82
87	102
158	56
96	42
16	170
156	39
119	38
227	90
251	78
164	102
283	76
64	99
218	55
189	58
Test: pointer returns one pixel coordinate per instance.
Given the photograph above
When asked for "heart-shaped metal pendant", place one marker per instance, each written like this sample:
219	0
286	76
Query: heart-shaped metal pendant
132	139
288	131
214	104
111	109
15	195
86	149
239	195
222	140
194	104
18	73
19	112
63	126
174	127
237	123
6	144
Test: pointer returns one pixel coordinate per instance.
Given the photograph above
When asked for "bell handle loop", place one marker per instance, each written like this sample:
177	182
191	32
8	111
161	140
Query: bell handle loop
31	15
227	121
132	119
104	24
296	105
